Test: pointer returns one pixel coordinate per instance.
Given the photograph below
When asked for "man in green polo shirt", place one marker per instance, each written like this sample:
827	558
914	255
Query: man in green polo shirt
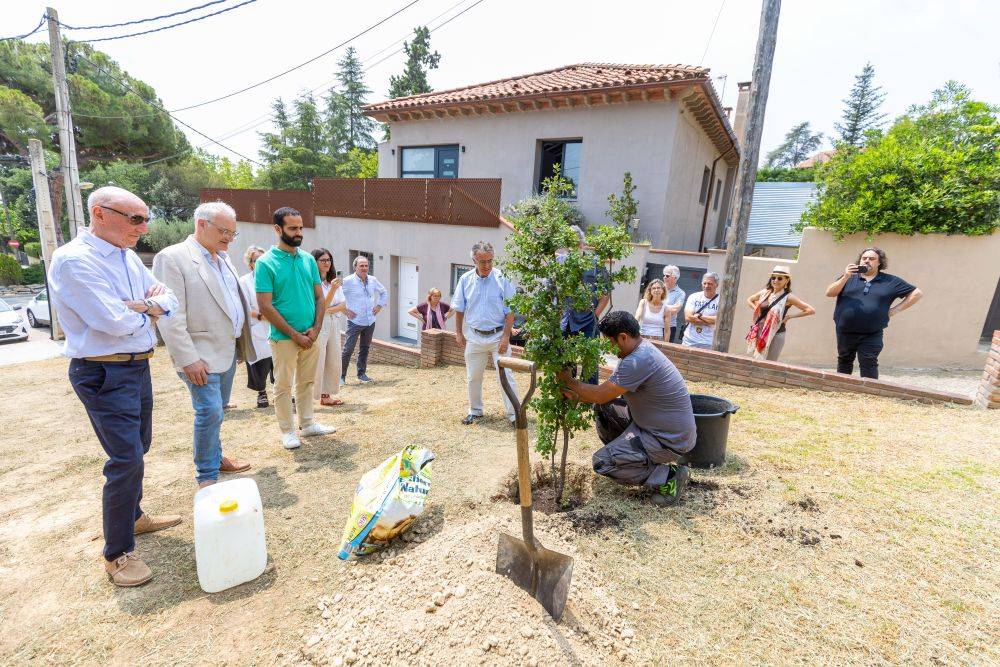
291	299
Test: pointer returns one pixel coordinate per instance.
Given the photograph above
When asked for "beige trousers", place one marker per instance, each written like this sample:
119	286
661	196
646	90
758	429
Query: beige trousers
328	364
479	350
293	364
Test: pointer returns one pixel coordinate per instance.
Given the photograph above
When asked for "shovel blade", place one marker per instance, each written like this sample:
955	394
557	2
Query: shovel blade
543	574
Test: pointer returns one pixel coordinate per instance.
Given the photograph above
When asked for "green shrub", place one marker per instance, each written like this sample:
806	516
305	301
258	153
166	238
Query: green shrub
33	275
33	249
10	270
935	171
165	232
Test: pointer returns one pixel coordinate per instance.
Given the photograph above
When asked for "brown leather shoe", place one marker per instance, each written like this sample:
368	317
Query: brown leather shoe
151	524
233	465
127	570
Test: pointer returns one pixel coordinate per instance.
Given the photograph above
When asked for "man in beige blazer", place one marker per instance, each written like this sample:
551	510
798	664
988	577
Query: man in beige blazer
209	331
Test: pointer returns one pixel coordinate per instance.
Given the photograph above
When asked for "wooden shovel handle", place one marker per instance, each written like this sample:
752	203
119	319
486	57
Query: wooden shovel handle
517	365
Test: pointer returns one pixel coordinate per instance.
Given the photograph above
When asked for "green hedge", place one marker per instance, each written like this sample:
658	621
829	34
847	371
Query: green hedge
10	270
33	275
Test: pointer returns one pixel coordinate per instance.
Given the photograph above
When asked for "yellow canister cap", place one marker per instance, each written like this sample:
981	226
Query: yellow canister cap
227	506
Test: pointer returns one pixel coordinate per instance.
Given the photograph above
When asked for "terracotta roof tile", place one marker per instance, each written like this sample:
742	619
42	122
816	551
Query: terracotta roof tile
586	77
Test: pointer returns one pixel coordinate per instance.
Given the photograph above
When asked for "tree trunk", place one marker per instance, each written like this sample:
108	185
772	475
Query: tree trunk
561	483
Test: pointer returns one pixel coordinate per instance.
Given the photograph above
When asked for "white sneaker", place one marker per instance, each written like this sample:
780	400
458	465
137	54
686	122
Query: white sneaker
290	440
316	429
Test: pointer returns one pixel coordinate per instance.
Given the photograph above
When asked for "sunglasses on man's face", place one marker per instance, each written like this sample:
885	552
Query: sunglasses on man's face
134	220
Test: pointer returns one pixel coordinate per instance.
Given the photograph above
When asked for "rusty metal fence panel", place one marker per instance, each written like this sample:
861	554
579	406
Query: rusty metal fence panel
449	201
259	205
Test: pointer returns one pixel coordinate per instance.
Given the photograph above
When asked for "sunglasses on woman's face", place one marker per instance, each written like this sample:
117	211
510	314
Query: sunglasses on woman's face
779	277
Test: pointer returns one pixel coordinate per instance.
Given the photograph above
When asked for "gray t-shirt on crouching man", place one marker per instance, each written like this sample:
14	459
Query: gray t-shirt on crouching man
657	397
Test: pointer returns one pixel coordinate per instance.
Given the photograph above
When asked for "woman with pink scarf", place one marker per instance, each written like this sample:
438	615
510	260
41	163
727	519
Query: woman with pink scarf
432	313
766	337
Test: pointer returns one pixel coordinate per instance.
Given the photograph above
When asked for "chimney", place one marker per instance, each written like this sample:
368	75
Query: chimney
742	102
728	111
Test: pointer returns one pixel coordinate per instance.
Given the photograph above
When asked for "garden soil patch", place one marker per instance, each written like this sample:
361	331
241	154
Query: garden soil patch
434	598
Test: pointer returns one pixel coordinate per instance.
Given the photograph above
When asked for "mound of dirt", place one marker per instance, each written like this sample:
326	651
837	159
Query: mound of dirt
435	599
576	492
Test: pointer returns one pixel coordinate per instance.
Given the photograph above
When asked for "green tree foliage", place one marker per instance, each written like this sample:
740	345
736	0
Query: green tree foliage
33	249
10	270
861	109
786	174
936	170
622	209
359	164
21	119
111	122
419	60
541	227
298	151
33	275
354	93
799	143
165	232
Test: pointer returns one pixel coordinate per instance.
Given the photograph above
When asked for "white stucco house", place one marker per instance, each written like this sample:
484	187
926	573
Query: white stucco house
663	123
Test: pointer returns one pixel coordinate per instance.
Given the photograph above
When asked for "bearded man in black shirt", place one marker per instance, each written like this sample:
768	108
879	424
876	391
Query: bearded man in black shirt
865	294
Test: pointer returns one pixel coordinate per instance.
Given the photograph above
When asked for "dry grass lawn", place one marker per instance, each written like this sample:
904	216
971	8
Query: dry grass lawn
844	529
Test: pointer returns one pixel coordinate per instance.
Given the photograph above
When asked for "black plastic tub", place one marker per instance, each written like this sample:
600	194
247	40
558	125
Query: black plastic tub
711	416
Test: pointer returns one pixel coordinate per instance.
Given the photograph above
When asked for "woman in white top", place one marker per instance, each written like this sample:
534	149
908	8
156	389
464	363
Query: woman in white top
260	329
328	365
652	313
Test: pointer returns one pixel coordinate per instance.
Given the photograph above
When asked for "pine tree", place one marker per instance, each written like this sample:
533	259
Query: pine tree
798	144
354	92
861	108
419	60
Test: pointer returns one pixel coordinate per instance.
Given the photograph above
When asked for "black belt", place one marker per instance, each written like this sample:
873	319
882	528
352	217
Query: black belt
488	332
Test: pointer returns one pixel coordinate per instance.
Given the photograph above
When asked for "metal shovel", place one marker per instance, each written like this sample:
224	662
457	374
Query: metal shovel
544	574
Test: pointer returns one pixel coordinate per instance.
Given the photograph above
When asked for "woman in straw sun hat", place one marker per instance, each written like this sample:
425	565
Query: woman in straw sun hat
766	337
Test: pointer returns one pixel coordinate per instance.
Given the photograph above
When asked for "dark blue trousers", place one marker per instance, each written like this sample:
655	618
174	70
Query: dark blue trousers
118	397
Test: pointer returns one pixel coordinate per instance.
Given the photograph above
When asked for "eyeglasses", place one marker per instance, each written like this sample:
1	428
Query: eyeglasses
326	260
229	234
135	220
779	277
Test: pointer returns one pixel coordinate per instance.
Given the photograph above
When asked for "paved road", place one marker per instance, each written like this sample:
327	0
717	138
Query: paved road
38	346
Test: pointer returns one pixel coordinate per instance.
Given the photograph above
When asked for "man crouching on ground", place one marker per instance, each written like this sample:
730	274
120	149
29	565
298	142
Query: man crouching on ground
645	434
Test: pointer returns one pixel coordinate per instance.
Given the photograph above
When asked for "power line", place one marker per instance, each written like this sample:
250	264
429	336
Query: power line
301	65
27	34
196	131
712	34
136	22
167	27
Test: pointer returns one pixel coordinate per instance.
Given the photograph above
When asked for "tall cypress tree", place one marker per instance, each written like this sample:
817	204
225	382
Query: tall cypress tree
354	93
419	60
861	108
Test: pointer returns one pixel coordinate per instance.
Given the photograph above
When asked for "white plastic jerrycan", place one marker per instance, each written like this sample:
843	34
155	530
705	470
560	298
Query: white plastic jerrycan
229	546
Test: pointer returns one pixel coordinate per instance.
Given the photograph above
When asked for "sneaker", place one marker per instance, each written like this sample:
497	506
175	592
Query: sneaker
127	570
364	378
262	399
342	382
316	429
672	492
290	440
471	418
151	524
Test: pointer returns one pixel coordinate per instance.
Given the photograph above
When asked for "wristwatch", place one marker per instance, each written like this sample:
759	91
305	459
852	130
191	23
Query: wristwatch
149	304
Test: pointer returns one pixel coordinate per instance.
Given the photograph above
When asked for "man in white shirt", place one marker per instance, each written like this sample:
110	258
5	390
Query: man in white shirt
209	330
674	299
700	312
366	297
108	303
483	322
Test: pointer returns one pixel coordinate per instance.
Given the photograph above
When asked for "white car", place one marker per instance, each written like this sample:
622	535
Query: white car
12	325
38	309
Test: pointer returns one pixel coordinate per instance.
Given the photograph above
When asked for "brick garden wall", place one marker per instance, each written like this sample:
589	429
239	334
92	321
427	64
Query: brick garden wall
439	348
988	395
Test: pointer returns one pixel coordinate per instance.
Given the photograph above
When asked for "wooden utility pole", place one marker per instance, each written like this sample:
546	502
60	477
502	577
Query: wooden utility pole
46	221
67	139
736	238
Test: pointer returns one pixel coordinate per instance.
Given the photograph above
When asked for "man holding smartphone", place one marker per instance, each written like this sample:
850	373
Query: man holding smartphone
865	294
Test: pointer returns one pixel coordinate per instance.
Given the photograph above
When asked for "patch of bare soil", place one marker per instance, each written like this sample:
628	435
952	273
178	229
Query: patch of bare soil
577	491
436	599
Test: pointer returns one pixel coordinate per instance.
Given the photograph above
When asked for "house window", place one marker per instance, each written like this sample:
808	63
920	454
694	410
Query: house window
566	154
457	270
364	253
718	189
429	162
706	178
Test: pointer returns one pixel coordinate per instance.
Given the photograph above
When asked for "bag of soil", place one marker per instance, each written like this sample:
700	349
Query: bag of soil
386	502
